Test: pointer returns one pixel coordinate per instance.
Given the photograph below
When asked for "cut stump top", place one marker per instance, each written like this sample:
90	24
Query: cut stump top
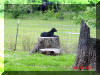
55	50
48	37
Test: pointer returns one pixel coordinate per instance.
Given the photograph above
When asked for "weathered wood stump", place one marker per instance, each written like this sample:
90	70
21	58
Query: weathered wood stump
86	52
47	45
50	51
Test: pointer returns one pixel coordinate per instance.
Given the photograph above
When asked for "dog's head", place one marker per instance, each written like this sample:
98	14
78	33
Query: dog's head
53	30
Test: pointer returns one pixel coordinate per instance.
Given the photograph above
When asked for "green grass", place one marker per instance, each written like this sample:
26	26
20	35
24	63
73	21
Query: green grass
22	61
30	30
1	14
1	52
39	62
1	64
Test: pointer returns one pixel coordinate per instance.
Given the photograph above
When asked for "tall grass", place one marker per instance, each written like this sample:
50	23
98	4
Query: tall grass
27	43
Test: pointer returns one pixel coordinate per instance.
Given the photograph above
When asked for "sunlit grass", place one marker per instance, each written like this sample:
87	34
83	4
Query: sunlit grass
22	61
1	46
32	28
1	64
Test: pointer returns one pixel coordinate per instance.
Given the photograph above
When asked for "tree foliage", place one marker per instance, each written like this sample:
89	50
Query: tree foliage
55	1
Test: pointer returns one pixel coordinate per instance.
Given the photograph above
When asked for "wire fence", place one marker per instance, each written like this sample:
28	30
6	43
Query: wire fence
30	30
28	36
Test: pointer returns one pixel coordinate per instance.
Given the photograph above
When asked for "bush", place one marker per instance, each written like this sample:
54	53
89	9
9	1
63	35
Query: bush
47	14
89	15
17	9
1	8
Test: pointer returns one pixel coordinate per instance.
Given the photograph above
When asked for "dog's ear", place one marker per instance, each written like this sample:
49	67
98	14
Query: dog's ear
53	28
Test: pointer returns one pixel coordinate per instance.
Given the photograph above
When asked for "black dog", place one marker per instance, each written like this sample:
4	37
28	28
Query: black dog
49	34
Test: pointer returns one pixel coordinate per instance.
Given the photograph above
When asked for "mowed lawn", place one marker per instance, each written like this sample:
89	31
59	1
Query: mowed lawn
22	61
29	31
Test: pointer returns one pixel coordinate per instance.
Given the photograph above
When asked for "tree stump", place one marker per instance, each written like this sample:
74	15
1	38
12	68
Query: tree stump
98	55
86	52
48	44
50	51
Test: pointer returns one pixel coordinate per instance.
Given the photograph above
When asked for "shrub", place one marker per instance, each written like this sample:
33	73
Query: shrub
89	15
49	13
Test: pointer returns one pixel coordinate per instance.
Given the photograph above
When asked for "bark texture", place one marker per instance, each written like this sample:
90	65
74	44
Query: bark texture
47	43
98	55
86	52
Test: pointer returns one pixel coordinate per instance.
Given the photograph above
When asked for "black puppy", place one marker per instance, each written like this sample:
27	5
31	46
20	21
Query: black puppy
49	34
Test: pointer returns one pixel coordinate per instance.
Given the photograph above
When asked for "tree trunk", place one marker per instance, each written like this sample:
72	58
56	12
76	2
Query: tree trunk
86	52
46	42
98	55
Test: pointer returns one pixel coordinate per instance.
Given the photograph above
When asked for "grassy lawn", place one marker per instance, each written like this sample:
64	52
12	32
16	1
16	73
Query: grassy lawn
29	31
1	46
22	61
1	64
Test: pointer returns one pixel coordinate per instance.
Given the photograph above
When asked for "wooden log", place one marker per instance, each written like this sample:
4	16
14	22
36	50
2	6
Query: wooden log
46	42
86	52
